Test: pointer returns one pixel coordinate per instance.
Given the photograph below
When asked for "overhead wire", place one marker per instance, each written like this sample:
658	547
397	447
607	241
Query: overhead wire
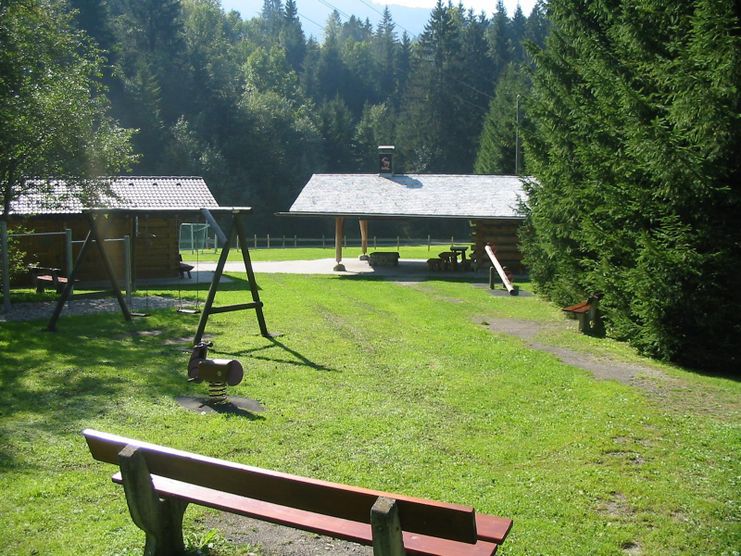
309	20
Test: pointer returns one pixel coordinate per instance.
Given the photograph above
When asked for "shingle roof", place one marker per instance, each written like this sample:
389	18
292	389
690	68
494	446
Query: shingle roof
131	192
412	195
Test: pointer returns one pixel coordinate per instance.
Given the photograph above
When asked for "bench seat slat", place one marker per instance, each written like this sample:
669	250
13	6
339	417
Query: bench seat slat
492	528
451	521
336	527
583	307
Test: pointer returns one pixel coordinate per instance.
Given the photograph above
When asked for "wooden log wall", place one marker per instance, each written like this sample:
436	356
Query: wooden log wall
503	234
154	245
156	249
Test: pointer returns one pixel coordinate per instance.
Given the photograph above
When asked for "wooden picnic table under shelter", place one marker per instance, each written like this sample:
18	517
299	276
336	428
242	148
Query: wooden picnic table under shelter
491	203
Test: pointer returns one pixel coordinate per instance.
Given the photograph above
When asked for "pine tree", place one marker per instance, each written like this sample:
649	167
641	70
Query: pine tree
636	152
292	37
500	150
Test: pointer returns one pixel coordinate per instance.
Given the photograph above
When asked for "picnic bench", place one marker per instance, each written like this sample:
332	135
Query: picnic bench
586	312
46	277
384	258
160	482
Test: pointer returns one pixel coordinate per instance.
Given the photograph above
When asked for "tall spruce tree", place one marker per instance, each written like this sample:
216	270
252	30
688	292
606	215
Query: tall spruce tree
500	150
636	151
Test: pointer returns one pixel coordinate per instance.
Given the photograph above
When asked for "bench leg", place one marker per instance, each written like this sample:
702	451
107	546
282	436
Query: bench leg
161	520
387	537
583	319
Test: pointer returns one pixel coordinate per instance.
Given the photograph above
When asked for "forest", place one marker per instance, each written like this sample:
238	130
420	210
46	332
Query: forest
627	112
256	107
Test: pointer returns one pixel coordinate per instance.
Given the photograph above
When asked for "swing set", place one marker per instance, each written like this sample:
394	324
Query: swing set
236	232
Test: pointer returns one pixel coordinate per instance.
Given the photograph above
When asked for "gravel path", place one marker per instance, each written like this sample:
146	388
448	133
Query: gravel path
44	310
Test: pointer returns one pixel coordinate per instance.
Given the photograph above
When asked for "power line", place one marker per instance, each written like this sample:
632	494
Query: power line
330	5
309	20
475	89
381	14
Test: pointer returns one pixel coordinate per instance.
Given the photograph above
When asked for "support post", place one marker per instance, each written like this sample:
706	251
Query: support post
338	227
236	233
92	236
127	268
108	267
52	325
214	284
5	265
161	520
363	240
68	260
242	235
214	224
386	528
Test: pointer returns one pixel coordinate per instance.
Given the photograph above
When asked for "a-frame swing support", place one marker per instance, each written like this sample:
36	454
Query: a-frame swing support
237	231
93	236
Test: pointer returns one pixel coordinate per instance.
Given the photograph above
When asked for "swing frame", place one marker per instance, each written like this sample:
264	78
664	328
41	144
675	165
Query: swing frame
237	231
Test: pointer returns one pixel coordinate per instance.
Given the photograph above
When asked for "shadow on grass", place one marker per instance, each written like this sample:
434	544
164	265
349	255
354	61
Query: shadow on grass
463	278
299	360
55	383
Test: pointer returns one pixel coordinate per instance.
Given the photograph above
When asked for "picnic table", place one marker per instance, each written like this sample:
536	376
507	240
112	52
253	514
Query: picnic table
461	250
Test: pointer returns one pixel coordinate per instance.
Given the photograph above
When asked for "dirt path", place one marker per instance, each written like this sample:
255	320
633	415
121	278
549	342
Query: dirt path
602	368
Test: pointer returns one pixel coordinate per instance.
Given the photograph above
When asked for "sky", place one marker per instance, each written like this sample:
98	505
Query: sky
486	6
250	7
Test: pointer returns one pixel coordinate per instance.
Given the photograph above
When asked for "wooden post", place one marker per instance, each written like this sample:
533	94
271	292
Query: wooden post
4	246
502	274
338	227
363	240
386	528
161	520
127	269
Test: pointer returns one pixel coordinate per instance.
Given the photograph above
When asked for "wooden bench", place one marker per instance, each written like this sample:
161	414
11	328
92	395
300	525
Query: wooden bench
586	313
159	482
45	277
384	258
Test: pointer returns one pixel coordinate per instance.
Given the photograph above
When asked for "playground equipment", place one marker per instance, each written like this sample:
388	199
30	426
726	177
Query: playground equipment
218	373
504	275
236	233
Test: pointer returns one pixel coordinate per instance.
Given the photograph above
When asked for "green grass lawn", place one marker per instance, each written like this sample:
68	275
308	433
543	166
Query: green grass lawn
387	386
311	253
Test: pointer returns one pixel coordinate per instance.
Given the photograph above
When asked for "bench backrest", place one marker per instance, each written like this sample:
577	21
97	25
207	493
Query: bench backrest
424	517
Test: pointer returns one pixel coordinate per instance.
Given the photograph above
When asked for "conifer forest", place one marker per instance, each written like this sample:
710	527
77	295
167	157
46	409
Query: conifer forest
623	115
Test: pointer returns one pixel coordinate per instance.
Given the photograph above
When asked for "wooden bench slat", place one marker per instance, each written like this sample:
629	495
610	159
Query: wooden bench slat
582	307
336	527
492	528
426	517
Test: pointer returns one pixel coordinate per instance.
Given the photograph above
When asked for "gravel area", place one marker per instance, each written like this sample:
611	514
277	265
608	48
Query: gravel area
44	310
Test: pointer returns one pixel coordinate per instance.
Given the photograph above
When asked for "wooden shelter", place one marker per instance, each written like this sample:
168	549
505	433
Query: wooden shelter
490	203
147	209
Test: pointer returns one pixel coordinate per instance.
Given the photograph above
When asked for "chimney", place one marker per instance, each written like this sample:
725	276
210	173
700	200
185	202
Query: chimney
386	159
